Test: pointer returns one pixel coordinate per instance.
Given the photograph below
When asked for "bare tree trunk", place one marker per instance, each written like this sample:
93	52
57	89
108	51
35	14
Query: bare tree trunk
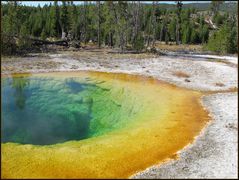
126	33
111	39
162	32
166	35
151	24
166	29
149	31
111	33
178	26
116	18
85	38
98	3
136	22
154	23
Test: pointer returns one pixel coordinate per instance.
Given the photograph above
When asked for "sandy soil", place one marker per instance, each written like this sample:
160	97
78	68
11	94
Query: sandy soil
214	152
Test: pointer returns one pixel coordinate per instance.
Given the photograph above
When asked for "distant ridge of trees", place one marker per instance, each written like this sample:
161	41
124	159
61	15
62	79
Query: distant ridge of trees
123	24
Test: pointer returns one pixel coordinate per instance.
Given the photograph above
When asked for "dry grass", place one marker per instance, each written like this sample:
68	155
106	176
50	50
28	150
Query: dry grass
24	64
104	53
182	47
87	54
181	74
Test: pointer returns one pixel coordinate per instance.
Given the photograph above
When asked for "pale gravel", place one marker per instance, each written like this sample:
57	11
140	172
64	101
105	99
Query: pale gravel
214	153
203	74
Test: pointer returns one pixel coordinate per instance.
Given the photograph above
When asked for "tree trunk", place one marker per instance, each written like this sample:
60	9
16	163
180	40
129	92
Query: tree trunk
151	25
136	20
85	38
154	24
162	32
98	3
111	39
178	26
166	35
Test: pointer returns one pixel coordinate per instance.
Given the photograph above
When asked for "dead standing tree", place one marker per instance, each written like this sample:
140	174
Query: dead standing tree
155	5
120	14
178	26
98	7
136	23
113	21
152	26
85	22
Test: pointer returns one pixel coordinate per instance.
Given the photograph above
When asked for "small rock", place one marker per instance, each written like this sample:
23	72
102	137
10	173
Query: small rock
220	84
231	126
187	80
74	67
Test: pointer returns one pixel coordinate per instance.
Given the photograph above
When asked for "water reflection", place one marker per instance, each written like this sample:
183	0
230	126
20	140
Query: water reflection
19	84
40	111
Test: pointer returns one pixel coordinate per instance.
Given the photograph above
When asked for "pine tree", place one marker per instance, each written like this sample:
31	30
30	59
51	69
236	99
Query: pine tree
12	22
43	34
178	27
85	22
64	20
24	42
204	33
186	33
120	13
137	39
194	39
117	24
223	40
215	5
99	19
56	19
74	21
109	23
172	29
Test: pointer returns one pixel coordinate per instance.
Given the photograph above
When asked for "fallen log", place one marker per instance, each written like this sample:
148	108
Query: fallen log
39	42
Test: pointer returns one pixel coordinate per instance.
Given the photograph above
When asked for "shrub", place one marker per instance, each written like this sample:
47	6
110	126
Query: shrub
194	39
204	33
138	44
218	19
23	43
8	45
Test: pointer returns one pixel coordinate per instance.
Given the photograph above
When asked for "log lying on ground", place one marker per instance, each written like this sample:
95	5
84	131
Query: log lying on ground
39	42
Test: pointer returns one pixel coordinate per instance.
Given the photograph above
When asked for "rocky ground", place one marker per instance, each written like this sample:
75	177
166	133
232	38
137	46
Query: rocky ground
214	152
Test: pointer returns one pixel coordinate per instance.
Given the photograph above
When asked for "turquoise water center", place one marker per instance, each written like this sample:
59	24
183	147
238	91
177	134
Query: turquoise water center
46	110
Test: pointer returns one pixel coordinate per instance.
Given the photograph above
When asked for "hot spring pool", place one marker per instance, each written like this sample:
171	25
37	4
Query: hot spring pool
92	124
50	110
